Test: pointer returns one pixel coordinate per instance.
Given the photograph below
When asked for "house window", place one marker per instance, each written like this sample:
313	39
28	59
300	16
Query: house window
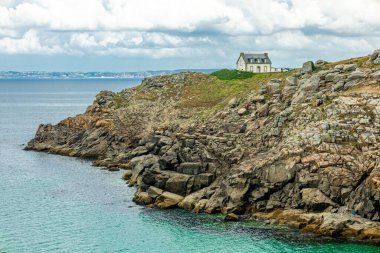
265	69
258	69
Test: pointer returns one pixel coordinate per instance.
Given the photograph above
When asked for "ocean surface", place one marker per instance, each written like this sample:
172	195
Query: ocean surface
51	203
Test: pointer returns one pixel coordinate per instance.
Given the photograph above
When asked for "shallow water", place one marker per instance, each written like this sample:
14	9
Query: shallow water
51	203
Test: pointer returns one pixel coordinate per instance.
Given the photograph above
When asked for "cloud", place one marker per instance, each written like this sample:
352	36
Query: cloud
188	29
28	43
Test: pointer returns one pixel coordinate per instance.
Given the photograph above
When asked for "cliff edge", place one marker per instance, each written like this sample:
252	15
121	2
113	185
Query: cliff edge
299	148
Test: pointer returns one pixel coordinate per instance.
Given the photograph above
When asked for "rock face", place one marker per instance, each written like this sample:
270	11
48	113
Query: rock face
305	146
375	57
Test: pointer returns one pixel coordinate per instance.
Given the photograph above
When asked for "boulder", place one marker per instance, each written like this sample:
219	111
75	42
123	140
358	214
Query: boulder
127	175
291	81
320	62
375	57
330	76
263	110
349	67
273	88
233	102
231	217
376	76
356	75
167	200
154	192
258	98
177	183
307	67
242	111
143	198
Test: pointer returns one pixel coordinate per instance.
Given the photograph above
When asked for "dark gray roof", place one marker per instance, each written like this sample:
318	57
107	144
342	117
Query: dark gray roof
260	57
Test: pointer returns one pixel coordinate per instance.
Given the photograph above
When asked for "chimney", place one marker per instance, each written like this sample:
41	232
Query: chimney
241	53
266	54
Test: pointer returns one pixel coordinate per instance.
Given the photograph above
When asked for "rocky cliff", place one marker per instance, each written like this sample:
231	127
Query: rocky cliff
300	148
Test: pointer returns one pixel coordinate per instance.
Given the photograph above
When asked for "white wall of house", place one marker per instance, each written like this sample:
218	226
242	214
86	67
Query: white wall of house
259	68
240	64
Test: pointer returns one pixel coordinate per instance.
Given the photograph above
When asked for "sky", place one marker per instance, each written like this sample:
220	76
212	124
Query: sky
136	35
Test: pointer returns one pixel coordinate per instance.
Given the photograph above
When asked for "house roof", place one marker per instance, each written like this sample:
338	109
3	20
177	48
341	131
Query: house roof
247	57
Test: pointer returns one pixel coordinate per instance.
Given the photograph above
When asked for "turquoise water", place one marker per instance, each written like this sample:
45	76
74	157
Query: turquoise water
51	203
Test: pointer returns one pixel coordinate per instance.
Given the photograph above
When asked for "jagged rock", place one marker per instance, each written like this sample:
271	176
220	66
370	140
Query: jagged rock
304	147
315	200
191	168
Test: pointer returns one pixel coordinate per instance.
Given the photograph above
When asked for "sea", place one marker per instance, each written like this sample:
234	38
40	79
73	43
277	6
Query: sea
52	203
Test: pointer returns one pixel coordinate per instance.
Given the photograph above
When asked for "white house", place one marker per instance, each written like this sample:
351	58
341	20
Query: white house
257	63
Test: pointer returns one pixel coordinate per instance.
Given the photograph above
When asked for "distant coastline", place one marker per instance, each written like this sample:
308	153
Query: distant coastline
92	75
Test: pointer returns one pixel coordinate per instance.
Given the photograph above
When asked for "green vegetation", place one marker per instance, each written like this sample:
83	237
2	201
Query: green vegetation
226	74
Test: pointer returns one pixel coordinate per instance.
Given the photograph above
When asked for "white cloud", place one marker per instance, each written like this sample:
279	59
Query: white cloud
28	43
188	28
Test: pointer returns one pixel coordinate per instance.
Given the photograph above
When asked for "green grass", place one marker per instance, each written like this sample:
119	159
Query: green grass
226	74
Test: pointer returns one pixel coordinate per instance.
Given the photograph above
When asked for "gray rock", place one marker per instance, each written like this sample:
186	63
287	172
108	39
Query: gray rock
263	110
259	98
376	76
315	200
330	77
339	78
292	81
338	86
273	88
349	67
233	102
307	67
242	111
356	75
320	62
375	55
191	168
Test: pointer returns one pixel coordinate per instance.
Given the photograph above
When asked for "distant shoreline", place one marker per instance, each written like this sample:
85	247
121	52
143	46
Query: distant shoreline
92	75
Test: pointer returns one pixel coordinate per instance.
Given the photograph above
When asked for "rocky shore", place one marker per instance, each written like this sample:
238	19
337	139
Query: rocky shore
300	148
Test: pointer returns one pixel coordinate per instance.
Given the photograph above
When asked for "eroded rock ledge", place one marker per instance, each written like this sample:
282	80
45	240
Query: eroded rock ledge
299	149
